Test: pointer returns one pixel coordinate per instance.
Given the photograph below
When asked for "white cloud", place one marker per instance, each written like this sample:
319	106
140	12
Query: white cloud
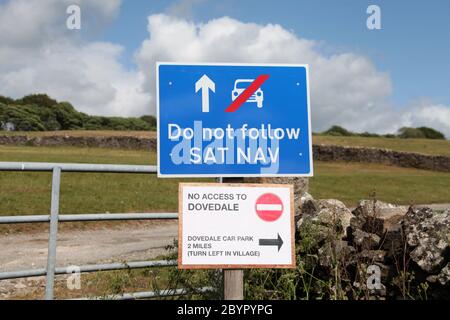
346	89
32	23
183	8
42	55
433	115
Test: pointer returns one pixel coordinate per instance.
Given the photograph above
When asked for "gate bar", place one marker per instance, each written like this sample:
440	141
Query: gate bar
148	294
89	268
76	167
88	217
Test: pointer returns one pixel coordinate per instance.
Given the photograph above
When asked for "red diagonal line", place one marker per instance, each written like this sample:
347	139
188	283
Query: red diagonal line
243	97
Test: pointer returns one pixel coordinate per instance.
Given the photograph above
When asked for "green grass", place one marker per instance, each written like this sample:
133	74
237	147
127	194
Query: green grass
435	147
76	155
350	182
29	193
102	284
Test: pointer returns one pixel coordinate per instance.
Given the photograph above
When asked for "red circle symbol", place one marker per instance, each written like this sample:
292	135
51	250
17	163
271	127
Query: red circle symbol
269	207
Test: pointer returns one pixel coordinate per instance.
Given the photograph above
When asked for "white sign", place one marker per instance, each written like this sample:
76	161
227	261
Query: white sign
236	226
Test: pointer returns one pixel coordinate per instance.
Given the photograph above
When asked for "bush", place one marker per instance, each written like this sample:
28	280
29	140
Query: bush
410	133
430	133
67	117
404	133
23	118
369	135
6	100
41	100
151	120
39	112
338	131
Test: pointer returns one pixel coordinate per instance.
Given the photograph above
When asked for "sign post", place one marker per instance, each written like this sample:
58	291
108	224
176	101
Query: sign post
234	226
234	121
233	284
233	280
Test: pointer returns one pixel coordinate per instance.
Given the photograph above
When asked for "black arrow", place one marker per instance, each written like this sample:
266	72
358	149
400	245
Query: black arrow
272	242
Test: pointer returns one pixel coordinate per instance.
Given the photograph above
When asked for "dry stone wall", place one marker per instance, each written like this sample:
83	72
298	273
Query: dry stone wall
382	156
113	142
321	152
409	246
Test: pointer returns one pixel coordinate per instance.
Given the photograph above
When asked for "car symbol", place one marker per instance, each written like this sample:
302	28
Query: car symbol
240	85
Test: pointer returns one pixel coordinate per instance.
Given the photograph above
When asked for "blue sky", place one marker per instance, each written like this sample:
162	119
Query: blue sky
413	45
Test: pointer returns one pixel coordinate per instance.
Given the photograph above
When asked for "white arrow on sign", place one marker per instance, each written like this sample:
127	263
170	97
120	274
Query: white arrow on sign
205	84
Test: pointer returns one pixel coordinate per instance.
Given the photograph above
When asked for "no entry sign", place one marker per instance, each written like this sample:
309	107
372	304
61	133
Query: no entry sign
236	226
269	207
233	120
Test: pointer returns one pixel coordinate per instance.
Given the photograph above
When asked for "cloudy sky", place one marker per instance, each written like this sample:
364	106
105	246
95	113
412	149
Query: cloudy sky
364	80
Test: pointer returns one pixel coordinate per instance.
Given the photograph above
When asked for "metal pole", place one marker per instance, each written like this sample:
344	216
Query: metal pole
89	217
147	295
76	167
89	268
51	256
233	280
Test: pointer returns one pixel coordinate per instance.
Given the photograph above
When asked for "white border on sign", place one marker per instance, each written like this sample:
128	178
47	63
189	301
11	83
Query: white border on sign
181	265
218	175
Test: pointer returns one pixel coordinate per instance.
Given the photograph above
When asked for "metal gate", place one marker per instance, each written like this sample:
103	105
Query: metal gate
54	218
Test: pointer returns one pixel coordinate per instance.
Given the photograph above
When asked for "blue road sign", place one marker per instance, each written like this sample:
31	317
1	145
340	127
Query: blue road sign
233	120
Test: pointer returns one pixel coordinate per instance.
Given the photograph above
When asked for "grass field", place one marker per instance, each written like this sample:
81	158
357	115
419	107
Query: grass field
436	147
24	193
103	284
27	193
99	284
350	182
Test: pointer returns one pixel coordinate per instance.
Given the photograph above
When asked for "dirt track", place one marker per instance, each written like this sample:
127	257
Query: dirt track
127	242
77	247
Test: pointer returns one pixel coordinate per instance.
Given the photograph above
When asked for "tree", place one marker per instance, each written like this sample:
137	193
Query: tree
151	120
67	116
6	100
431	133
338	131
41	100
368	134
41	112
22	118
410	133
